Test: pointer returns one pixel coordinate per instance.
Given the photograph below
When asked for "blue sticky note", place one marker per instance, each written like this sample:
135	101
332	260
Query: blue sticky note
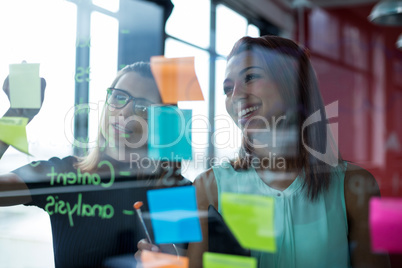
169	134
174	215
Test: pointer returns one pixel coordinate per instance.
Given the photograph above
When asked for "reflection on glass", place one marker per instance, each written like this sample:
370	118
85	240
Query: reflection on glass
200	121
355	47
31	37
230	26
111	5
324	33
253	30
42	31
228	141
103	66
190	21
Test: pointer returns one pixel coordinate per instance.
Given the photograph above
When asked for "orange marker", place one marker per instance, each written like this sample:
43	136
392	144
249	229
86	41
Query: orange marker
137	206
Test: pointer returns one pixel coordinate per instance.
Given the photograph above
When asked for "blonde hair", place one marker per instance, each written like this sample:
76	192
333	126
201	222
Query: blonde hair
90	162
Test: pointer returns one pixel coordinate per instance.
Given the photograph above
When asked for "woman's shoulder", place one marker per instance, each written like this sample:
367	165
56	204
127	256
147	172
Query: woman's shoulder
360	187
210	176
207	190
55	160
70	159
357	177
38	170
206	177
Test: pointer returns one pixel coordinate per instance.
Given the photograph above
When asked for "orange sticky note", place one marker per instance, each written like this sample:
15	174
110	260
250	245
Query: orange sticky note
161	260
176	79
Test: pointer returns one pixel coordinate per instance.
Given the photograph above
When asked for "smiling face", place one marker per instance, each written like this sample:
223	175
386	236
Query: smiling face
252	97
122	127
255	103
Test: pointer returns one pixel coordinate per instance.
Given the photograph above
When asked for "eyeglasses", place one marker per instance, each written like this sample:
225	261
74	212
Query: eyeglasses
118	98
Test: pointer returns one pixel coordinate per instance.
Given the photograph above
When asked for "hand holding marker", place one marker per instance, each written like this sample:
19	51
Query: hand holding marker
137	206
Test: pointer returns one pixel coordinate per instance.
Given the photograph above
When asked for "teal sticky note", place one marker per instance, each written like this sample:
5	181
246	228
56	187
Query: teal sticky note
174	215
25	85
169	134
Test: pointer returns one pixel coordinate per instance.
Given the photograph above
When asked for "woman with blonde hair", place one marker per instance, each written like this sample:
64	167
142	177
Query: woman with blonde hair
90	199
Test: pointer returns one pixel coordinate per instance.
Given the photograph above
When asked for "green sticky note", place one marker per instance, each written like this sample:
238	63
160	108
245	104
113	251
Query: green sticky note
217	260
251	219
13	132
25	85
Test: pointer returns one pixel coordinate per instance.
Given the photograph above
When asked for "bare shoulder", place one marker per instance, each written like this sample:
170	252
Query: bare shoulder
205	178
360	187
207	190
360	182
353	169
207	194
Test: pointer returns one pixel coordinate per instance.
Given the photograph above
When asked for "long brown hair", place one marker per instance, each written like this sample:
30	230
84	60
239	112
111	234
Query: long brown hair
90	162
289	66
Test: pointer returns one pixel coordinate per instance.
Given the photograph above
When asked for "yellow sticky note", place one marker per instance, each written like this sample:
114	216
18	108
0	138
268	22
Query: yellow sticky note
176	79
13	132
25	85
251	219
217	260
151	259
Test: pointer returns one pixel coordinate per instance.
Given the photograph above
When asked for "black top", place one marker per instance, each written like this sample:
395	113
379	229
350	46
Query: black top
92	215
220	237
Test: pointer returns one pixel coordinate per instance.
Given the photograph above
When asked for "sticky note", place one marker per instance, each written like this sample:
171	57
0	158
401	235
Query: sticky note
251	219
174	215
217	260
25	85
151	259
13	132
386	224
169	133
176	79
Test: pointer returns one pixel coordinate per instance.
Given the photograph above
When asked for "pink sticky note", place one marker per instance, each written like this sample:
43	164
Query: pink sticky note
386	224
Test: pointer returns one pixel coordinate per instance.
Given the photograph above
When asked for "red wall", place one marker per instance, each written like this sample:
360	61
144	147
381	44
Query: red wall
358	65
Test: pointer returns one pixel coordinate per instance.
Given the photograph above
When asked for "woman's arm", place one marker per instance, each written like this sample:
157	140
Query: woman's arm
3	148
20	112
207	194
360	186
11	182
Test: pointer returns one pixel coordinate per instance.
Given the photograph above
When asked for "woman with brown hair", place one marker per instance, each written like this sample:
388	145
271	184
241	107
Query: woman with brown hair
288	153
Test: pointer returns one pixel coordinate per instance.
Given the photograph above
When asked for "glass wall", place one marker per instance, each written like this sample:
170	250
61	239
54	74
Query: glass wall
213	138
77	45
82	178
